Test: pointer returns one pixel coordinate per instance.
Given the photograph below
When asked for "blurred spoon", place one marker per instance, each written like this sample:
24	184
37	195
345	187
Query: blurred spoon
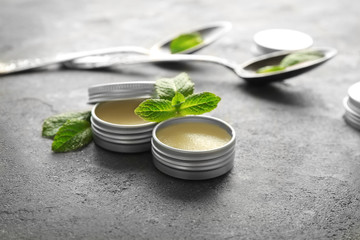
209	33
246	71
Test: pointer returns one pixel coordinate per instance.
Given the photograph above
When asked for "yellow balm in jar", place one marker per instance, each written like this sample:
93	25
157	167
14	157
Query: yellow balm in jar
120	112
194	136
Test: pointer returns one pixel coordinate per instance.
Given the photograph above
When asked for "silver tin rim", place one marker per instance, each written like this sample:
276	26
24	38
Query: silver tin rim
120	91
114	130
190	157
214	120
122	86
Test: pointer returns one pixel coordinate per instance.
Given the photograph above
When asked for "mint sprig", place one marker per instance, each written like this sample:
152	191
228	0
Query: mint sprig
52	124
292	59
70	131
185	41
166	88
300	57
156	110
74	134
176	101
198	104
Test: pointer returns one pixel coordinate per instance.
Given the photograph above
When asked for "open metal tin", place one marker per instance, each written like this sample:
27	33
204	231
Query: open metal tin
118	137
190	164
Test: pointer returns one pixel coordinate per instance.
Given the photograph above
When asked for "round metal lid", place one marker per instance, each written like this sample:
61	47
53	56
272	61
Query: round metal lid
271	40
351	116
354	95
122	90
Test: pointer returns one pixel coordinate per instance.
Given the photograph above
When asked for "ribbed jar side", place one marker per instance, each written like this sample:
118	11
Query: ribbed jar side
123	148
221	161
211	160
117	136
193	175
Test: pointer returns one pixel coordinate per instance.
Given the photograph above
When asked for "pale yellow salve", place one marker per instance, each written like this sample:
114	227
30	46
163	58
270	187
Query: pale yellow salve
195	136
120	112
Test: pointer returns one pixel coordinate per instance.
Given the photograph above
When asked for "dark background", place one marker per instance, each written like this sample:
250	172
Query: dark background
297	168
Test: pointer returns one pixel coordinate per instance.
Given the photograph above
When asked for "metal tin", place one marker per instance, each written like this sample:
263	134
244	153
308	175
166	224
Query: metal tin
352	106
354	97
193	165
351	116
117	137
271	40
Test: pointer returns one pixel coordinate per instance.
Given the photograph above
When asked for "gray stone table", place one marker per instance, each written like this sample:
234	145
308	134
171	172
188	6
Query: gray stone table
297	167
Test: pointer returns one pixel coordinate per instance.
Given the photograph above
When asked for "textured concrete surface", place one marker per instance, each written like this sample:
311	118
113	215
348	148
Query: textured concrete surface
297	168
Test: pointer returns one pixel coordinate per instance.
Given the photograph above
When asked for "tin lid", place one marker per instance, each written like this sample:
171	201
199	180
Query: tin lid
352	113
119	91
271	40
354	96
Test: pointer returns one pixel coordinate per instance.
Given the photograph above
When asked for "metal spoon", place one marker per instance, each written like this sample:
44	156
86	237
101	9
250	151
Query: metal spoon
209	32
246	71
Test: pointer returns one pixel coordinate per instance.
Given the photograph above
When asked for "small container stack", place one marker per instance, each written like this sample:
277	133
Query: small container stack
352	106
117	128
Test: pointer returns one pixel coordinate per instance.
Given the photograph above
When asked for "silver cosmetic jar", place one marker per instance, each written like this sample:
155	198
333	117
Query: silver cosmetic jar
198	164
117	137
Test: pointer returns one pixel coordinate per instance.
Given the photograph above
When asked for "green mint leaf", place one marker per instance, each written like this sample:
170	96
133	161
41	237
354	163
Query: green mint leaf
52	124
268	69
73	135
300	57
177	99
166	88
185	41
156	110
199	103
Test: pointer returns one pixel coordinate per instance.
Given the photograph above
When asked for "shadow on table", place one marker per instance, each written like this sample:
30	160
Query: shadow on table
189	190
122	161
278	93
140	165
180	66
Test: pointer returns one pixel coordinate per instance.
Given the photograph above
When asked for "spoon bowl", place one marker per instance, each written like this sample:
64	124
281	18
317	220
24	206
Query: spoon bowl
247	70
209	33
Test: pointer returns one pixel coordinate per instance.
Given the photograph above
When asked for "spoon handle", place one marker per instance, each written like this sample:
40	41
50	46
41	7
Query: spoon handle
33	63
106	61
